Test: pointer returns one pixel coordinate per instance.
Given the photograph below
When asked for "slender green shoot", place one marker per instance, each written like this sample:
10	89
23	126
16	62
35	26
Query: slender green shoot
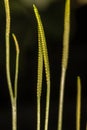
64	60
13	95
17	64
14	104
46	62
78	107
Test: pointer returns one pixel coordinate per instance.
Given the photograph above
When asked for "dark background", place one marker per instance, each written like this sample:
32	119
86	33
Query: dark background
23	24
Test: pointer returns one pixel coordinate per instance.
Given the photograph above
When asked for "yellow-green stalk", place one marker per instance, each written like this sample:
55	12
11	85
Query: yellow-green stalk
13	95
64	60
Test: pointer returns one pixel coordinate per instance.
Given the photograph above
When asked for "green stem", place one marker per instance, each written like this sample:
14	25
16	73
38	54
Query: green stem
64	60
78	107
8	49
38	114
14	115
13	95
17	65
61	100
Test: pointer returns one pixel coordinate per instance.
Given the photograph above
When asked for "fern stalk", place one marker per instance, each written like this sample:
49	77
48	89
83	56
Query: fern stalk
78	108
64	60
13	95
7	10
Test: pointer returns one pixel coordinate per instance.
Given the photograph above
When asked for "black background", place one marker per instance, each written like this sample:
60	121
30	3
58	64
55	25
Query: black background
23	24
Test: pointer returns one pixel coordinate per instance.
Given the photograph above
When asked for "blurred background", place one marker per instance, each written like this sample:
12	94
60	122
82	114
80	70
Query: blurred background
24	25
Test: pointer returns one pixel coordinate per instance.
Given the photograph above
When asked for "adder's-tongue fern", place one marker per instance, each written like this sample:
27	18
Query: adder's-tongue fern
43	57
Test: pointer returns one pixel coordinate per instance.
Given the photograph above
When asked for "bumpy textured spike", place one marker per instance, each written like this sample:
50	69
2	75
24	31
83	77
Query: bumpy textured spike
46	62
66	34
39	80
40	67
43	41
